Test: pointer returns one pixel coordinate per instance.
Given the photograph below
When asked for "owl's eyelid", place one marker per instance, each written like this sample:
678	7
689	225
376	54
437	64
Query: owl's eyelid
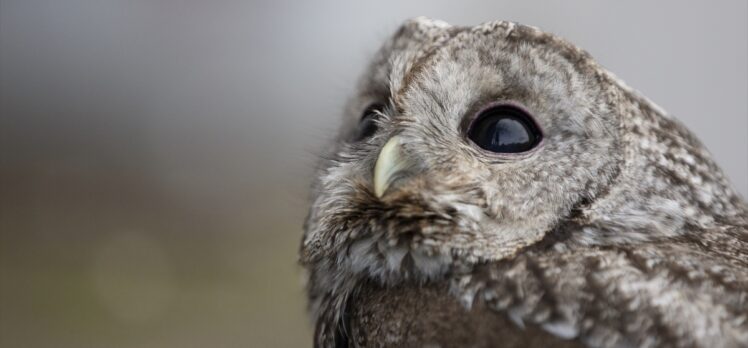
382	118
376	107
472	118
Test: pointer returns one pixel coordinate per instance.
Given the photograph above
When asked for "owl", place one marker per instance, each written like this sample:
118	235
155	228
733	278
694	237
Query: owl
495	186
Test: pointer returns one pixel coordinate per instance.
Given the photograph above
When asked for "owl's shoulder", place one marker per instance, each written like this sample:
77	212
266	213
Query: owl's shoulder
687	291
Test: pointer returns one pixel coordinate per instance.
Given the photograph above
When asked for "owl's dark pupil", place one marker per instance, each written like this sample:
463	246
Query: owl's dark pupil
367	126
504	129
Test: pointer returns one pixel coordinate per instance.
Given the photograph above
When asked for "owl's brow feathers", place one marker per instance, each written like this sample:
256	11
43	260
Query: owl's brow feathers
514	33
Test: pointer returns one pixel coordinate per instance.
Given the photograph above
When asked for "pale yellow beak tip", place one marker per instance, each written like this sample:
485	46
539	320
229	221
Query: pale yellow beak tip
389	163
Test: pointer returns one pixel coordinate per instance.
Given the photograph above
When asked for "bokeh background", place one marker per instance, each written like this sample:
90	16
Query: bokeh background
155	155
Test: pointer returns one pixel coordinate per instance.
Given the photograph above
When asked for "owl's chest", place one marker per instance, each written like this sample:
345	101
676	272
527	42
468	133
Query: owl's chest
429	315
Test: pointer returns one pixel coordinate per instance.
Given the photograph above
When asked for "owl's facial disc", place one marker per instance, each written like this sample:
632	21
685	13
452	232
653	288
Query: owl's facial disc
454	152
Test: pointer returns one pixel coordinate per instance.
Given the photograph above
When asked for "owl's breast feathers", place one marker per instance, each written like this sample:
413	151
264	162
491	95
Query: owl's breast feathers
680	293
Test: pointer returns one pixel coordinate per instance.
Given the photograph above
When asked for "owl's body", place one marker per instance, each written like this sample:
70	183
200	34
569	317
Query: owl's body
606	224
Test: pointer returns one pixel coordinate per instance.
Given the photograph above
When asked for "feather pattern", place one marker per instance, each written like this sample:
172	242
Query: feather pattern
618	230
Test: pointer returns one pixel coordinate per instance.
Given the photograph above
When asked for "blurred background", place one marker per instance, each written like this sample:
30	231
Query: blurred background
155	155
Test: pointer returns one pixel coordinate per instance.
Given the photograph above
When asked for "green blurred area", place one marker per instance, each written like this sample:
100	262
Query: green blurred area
96	259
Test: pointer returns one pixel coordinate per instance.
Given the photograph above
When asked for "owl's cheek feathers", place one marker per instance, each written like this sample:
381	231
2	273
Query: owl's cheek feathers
409	236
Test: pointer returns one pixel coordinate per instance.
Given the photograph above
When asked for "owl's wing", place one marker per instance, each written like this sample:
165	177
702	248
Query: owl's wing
430	316
686	292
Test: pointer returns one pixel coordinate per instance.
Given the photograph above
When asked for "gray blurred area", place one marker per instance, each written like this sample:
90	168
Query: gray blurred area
155	155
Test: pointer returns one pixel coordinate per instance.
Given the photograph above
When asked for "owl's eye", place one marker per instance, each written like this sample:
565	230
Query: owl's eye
505	129
367	126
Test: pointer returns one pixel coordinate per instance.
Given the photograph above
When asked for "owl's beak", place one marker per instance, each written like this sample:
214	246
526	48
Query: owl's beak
390	164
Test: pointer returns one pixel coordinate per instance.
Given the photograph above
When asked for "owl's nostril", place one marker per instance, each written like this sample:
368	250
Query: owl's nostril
391	164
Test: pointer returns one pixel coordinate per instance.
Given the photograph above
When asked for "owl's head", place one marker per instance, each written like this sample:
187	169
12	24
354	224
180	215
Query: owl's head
468	144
